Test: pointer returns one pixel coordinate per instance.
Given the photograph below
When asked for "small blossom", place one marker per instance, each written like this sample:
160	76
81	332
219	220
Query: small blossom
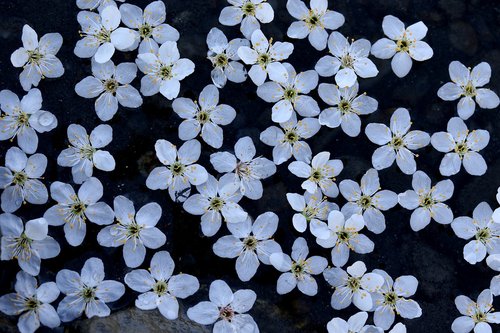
368	200
204	116
313	22
19	180
354	286
403	45
84	154
466	85
288	94
159	288
348	60
101	35
461	147
343	235
27	243
246	169
265	57
391	299
164	71
216	199
397	142
112	84
226	309
32	302
427	201
481	227
475	315
149	27
250	243
87	291
321	173
73	210
224	58
288	140
247	12
135	232
24	118
355	324
38	58
298	269
311	208
345	107
179	171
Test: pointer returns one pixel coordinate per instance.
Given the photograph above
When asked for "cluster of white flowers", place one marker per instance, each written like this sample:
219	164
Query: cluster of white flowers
240	174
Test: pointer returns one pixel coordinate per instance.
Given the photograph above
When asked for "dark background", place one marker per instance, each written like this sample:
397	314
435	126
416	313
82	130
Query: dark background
458	30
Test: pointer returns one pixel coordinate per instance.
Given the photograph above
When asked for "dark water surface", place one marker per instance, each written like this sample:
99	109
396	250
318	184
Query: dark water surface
458	30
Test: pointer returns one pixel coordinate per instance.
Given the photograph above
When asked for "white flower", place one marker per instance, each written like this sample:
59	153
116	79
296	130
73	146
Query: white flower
321	173
345	107
297	270
27	243
23	118
247	12
101	35
368	199
84	154
427	201
391	298
135	232
477	316
159	288
353	325
163	71
354	286
485	231
87	291
313	22
216	199
265	57
224	58
19	180
32	302
149	27
180	170
289	140
343	235
397	142
465	84
226	309
403	44
246	169
288	95
38	58
250	243
203	116
348	60
112	84
311	208
93	4
73	210
461	147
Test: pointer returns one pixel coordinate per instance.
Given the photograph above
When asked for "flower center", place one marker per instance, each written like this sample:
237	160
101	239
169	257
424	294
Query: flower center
479	317
160	288
291	136
243	170
347	61
22	247
103	36
165	72
87	152
469	90
133	230
216	203
78	208
313	20
427	201
403	45
202	117
310	212
298	268
250	243
345	106
390	299
343	236
226	313
32	304
88	294
248	8
483	235
290	94
34	56
220	60
353	283
263	59
396	142
22	118
20	178
111	85
145	30
177	168
461	149
365	201
316	176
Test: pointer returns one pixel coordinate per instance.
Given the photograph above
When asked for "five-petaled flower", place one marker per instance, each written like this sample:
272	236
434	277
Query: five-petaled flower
475	315
247	12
